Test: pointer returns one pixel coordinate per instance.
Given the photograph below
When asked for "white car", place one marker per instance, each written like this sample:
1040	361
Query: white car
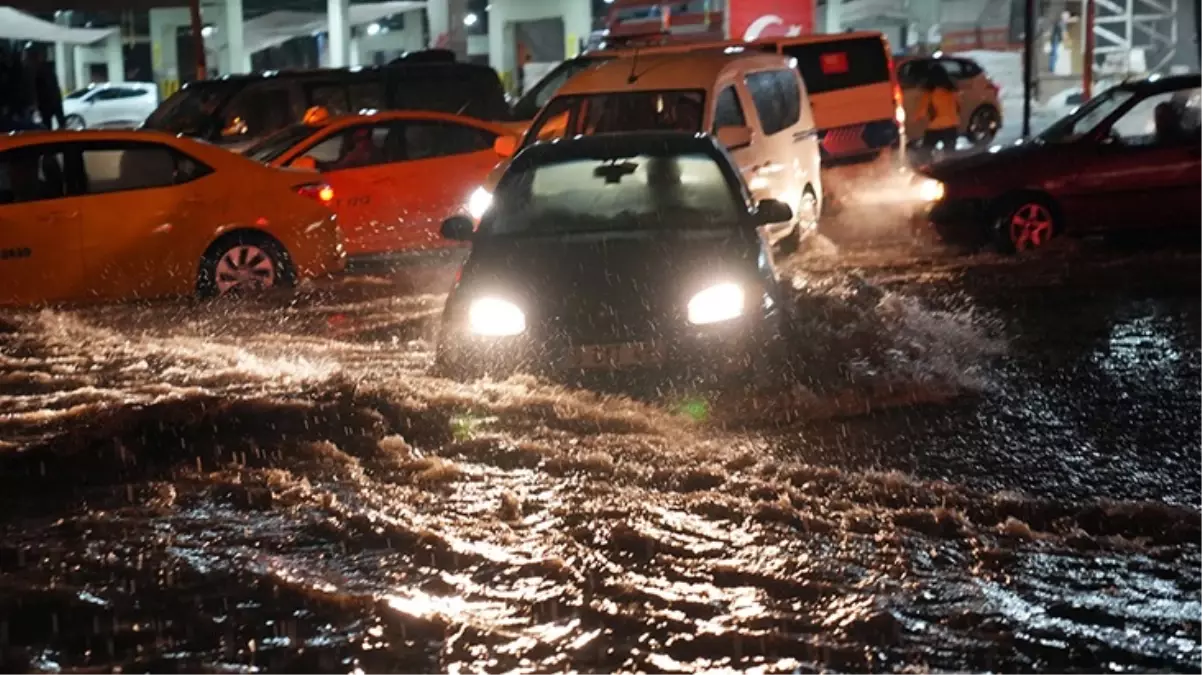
113	106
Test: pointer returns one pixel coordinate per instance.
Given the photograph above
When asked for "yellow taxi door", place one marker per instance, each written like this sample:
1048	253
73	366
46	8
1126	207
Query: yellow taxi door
137	233
354	162
39	228
437	165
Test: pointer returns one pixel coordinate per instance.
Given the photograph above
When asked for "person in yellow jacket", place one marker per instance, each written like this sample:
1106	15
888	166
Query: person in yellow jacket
939	104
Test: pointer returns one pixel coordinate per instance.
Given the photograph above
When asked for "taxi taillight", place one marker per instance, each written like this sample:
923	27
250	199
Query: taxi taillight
319	191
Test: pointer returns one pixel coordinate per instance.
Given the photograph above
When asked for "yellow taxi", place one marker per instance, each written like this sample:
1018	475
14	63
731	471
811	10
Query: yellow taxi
115	215
395	175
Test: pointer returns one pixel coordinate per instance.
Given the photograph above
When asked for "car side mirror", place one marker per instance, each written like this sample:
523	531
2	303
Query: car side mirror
505	145
734	137
304	163
772	211
457	228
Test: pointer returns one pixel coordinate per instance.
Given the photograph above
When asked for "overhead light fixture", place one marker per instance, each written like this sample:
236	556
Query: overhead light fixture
470	19
373	29
207	31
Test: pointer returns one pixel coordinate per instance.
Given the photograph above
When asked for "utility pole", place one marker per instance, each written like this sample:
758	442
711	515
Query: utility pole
198	38
834	18
1028	64
1087	17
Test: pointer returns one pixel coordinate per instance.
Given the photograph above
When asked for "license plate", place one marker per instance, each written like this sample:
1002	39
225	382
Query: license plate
616	356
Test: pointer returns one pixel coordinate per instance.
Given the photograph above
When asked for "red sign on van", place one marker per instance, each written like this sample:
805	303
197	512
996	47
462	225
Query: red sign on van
755	19
834	63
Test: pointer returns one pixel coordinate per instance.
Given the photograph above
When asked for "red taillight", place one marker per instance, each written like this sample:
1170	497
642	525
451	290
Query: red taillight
899	110
319	191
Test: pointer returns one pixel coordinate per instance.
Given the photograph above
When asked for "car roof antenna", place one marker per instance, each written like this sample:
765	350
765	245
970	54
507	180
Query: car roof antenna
634	64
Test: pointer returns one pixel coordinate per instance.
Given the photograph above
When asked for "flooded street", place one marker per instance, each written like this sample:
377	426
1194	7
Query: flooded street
988	464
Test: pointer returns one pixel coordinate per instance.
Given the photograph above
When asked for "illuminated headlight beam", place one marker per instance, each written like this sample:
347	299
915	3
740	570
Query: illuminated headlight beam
721	302
931	190
494	317
478	203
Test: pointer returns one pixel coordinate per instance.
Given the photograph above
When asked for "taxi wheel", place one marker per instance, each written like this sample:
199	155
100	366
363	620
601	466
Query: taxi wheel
244	264
1025	223
75	122
807	222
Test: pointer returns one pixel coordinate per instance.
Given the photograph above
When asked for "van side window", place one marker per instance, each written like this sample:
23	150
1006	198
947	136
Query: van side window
790	92
728	112
257	111
329	95
769	102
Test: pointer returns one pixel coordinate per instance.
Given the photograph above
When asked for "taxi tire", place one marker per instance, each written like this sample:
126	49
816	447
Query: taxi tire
206	282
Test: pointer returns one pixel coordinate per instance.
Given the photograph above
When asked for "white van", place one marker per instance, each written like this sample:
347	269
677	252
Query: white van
754	103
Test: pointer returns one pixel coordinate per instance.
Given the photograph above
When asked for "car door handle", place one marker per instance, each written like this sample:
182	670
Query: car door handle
56	216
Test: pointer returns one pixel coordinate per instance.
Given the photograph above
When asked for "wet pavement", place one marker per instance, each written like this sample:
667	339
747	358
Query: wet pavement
993	465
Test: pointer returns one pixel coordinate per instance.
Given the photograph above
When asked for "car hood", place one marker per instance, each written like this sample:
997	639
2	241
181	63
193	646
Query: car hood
996	158
610	286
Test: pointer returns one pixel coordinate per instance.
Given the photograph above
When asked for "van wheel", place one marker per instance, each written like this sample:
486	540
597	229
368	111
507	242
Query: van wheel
243	264
807	222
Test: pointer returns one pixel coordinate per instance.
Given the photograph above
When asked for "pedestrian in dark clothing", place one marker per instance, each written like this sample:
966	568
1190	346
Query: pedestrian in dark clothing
47	92
5	103
19	85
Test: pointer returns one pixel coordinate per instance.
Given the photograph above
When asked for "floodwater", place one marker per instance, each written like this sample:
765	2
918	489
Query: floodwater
993	465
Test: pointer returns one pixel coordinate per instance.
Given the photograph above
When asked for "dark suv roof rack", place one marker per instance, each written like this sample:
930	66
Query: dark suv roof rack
426	56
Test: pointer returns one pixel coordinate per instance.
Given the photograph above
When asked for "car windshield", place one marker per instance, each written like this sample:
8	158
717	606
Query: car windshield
1086	118
192	110
537	96
640	192
79	93
606	113
269	149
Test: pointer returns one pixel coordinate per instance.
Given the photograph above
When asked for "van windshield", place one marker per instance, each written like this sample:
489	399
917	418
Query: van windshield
191	111
537	96
611	112
840	64
639	192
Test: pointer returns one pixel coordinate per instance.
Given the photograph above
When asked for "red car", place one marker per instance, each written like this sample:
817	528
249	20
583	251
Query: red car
1129	158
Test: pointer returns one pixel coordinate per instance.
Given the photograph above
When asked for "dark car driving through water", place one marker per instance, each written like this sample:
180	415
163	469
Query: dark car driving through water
1127	160
632	254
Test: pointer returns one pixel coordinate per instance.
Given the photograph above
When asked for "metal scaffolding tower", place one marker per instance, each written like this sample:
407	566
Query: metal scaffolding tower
1121	26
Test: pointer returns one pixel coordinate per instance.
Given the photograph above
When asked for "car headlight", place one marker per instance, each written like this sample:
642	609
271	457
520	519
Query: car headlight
931	190
495	317
478	203
721	302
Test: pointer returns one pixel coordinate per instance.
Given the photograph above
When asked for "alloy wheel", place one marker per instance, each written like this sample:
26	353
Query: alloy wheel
1030	226
243	268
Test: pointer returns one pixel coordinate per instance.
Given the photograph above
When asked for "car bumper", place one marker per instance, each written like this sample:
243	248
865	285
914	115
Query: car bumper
959	221
714	354
320	252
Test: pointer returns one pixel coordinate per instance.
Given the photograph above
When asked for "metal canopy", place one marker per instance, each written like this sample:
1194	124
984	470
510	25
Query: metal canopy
1125	25
17	25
